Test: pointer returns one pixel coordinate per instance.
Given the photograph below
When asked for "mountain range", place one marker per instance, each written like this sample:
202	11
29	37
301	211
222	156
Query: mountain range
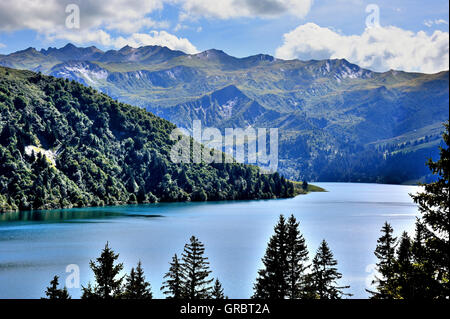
336	121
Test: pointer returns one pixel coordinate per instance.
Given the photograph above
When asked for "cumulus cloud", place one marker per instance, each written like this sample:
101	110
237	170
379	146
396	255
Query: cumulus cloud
162	38
80	36
430	23
121	15
130	16
226	9
377	48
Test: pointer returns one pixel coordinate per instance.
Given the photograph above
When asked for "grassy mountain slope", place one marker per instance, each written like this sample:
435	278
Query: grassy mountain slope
63	144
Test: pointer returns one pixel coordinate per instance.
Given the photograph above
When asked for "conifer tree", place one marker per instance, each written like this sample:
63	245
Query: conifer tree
324	275
418	247
424	283
297	256
217	292
53	292
385	252
305	185
136	287
404	268
271	282
105	272
197	284
89	292
174	284
434	206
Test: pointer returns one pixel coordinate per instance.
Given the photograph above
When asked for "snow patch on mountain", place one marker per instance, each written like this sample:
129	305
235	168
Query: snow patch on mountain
91	73
227	108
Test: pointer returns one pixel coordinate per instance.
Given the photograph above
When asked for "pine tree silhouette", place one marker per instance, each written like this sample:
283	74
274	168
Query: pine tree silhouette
271	282
297	256
174	284
434	206
105	272
324	275
196	271
136	287
53	292
217	292
385	253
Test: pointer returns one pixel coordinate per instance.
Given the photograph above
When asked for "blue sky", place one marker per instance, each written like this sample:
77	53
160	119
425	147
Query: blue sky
284	28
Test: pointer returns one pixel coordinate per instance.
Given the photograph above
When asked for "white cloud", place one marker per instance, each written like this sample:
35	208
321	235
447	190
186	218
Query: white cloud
179	27
227	9
430	23
2	45
378	48
80	36
161	38
440	21
130	16
121	15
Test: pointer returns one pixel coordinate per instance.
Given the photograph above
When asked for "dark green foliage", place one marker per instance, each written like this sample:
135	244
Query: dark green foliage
297	257
195	269
53	292
399	278
189	278
173	286
385	253
423	281
435	220
104	152
305	185
136	287
271	282
420	267
324	275
404	268
217	292
407	273
106	272
283	275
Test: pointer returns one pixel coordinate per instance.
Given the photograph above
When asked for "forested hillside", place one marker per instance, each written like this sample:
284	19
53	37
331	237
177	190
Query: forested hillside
66	145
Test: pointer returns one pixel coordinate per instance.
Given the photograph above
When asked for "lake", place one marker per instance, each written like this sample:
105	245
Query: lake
35	246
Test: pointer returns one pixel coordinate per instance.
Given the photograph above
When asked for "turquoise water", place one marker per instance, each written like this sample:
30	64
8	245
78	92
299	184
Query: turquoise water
36	246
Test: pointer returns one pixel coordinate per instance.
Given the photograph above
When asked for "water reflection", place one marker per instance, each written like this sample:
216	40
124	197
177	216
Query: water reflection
56	215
